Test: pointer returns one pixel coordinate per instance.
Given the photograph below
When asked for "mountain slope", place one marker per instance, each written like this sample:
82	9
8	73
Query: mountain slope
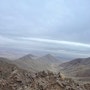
6	67
27	62
79	67
48	59
13	78
36	64
49	62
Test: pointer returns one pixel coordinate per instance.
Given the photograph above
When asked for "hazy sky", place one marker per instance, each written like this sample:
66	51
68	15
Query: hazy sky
53	26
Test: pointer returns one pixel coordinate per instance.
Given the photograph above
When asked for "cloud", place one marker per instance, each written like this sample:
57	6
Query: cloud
6	40
41	45
48	26
58	42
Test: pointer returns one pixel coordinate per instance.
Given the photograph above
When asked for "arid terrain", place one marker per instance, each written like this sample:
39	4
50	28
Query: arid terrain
43	73
77	68
44	44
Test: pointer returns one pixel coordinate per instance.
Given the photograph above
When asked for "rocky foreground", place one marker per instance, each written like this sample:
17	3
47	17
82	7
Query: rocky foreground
14	78
22	80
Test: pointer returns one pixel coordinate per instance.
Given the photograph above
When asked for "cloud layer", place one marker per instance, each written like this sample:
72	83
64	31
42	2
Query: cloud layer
51	26
40	45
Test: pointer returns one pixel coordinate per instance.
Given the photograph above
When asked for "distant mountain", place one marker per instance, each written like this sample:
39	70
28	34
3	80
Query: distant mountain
28	57
33	63
27	62
78	67
48	58
49	62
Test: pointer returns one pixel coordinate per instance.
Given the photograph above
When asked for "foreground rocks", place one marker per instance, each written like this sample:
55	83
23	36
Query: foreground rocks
22	80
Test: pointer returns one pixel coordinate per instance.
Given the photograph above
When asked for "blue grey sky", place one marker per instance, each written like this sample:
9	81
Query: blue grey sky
60	27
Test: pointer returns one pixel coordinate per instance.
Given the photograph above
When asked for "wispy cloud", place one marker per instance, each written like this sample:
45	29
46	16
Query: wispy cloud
57	42
46	46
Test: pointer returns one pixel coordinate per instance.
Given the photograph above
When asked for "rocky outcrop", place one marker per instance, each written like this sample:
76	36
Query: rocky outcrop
22	80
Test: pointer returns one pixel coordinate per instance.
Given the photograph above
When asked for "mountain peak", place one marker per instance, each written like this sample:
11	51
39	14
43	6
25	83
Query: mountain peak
48	55
28	57
49	58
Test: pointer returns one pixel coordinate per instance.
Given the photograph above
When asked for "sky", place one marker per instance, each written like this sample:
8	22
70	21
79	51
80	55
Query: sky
59	27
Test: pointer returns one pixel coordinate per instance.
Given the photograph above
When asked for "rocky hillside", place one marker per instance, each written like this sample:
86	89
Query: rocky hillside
78	67
13	78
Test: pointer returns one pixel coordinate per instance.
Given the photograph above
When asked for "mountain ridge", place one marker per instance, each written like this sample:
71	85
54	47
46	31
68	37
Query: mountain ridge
78	67
36	64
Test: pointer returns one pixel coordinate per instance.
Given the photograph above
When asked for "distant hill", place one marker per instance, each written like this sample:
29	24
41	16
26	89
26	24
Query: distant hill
28	57
27	62
34	63
78	67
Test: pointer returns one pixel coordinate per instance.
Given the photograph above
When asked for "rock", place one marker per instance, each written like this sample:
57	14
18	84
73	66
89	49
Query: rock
61	76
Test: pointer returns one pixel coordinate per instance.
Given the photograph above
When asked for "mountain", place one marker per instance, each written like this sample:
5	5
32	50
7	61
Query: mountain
49	62
33	63
6	67
14	78
28	57
27	62
78	67
48	59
